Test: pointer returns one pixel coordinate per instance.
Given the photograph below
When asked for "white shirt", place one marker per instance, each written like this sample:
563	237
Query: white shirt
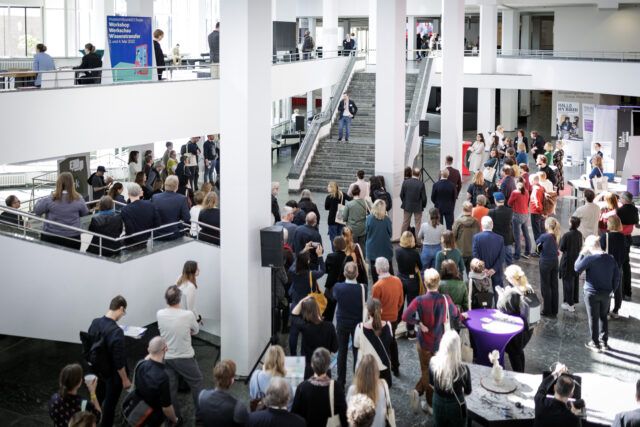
189	297
364	188
195	214
176	327
547	185
589	215
134	168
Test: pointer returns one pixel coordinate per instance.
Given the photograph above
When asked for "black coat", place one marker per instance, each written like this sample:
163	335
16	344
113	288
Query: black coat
552	412
272	417
443	196
570	246
308	206
157	49
172	207
502	217
305	234
334	267
331	205
454	176
90	60
109	225
413	195
275	209
353	109
210	217
139	216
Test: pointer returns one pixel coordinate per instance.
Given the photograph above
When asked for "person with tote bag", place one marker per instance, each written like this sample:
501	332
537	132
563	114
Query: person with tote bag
374	337
367	381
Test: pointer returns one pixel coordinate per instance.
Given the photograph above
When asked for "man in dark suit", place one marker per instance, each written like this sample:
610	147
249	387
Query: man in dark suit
414	199
172	207
489	247
138	215
454	175
307	233
537	144
555	412
443	196
502	215
629	418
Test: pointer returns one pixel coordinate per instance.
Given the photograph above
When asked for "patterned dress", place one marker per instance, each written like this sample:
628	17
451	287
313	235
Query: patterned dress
558	158
62	409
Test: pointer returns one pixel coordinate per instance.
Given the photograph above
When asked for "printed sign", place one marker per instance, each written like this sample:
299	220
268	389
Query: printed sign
130	47
568	120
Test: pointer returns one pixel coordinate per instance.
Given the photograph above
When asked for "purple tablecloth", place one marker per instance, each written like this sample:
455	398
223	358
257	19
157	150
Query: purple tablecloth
490	333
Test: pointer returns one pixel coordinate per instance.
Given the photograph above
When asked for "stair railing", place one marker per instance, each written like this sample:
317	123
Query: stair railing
320	126
418	109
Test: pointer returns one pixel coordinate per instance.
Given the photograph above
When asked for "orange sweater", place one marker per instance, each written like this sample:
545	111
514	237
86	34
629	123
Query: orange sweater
478	212
389	291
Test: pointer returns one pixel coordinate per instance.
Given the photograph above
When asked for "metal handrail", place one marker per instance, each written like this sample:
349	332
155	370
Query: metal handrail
570	55
420	97
320	120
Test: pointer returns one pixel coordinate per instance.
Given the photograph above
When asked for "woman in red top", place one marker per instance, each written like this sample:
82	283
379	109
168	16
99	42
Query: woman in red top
519	202
524	174
535	207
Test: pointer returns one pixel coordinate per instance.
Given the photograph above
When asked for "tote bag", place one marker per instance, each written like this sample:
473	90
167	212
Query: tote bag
334	419
340	212
600	183
489	173
321	300
390	412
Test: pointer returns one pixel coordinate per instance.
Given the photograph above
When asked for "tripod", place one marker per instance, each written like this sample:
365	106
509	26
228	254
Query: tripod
274	333
423	170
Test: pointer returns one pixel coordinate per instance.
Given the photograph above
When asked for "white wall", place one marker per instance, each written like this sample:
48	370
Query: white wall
56	293
590	29
360	8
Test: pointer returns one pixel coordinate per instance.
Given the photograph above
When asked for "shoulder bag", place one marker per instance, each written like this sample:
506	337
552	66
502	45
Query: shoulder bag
135	410
421	288
390	412
334	419
340	212
447	322
600	183
489	172
257	404
321	300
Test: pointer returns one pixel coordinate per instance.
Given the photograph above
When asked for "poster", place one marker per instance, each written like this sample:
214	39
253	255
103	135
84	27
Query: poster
568	124
587	123
78	165
130	46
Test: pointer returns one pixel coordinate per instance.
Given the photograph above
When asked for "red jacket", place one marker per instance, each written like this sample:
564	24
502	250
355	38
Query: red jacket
537	198
519	202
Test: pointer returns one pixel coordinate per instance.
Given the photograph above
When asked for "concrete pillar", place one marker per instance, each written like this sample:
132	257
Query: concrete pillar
245	62
452	76
278	112
329	39
390	100
488	51
411	37
373	30
525	43
312	28
510	41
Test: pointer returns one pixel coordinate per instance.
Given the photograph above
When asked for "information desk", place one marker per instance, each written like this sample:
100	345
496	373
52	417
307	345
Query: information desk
604	398
583	184
491	330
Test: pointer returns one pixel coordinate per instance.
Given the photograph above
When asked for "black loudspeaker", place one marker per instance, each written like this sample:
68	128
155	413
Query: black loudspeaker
299	123
271	246
424	128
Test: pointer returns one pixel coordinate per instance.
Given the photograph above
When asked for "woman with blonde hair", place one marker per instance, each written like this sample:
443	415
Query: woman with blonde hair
529	304
409	272
547	246
477	188
210	216
367	381
597	170
335	198
378	231
65	206
613	242
374	338
273	367
451	381
353	253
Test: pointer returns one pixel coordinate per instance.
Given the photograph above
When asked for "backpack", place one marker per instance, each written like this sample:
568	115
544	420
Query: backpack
95	352
481	293
91	178
549	203
383	195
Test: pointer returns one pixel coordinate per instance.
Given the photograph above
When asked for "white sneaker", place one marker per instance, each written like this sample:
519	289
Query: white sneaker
415	400
426	408
565	306
571	309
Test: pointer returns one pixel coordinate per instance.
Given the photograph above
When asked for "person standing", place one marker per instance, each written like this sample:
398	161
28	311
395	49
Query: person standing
628	214
454	175
209	154
508	183
42	62
364	185
488	247
378	232
133	164
176	326
171	208
193	150
537	144
214	51
355	216
218	407
430	235
367	381
547	247
443	196
477	188
519	202
350	297
409	272
99	185
602	279
277	396
449	252
414	199
347	111
536	206
307	45
374	337
613	243
334	265
429	312
334	200
388	289
629	418
570	245
521	139
348	45
158	35
305	234
464	228
66	403
476	154
275	209
112	378
502	217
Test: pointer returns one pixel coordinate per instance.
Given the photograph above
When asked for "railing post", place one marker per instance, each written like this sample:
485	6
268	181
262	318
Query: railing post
151	245
100	247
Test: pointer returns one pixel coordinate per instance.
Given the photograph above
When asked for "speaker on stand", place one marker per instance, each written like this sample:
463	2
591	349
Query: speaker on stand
423	129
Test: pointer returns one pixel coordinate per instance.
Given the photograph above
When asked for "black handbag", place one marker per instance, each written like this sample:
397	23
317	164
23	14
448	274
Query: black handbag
135	410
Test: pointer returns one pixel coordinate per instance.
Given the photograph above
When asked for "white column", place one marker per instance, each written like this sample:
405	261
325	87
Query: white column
329	39
525	43
390	100
488	51
103	9
452	76
411	37
373	30
245	62
278	111
310	104
140	8
509	97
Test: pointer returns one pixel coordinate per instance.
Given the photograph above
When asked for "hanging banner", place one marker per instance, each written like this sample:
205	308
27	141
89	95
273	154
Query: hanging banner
587	123
568	120
130	47
78	166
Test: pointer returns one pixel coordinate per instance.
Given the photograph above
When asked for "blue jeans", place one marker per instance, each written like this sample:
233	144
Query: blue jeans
428	255
537	225
334	230
508	255
208	172
520	222
345	123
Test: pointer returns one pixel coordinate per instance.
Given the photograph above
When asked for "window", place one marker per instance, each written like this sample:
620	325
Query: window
20	30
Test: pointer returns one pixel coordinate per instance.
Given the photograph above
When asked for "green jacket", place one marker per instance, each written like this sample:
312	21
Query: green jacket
457	290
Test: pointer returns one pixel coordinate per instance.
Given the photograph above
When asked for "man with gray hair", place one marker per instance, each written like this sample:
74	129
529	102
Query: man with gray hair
276	413
307	233
176	326
286	222
139	215
152	383
488	247
172	207
388	289
350	297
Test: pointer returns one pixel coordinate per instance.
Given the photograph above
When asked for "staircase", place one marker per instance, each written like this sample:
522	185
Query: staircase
339	162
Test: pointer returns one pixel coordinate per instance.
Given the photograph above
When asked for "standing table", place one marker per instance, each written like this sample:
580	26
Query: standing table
491	330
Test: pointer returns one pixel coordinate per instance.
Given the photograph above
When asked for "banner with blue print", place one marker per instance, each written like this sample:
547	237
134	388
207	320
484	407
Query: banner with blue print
130	47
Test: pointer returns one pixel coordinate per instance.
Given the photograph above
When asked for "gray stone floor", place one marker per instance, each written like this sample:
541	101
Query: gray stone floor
29	368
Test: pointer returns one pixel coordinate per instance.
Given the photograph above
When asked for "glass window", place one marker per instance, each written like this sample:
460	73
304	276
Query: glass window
20	30
4	13
33	31
54	32
16	33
